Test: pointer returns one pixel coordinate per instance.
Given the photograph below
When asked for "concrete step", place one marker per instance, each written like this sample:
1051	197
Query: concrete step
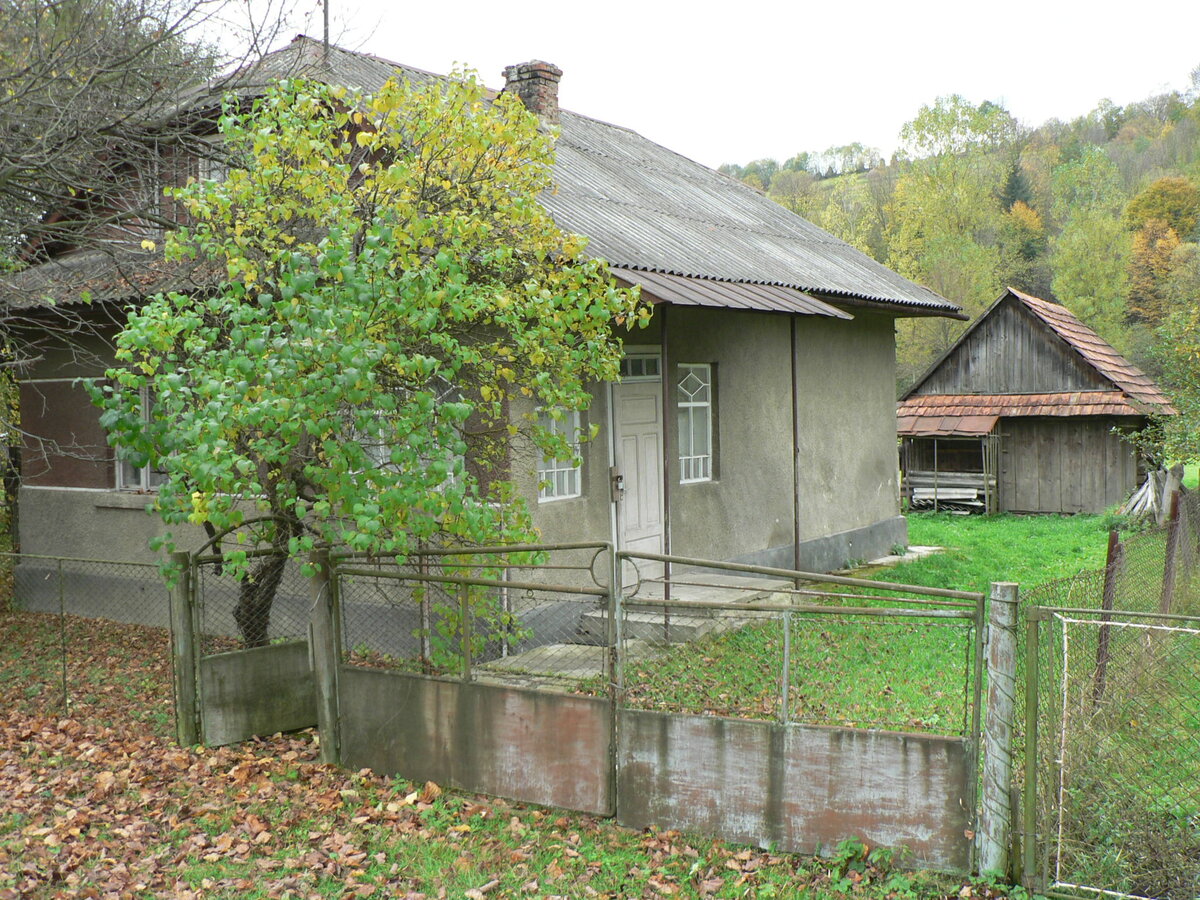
645	626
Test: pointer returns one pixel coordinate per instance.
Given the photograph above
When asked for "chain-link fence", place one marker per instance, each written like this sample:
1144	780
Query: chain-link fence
1112	781
268	604
85	638
1118	761
768	649
537	617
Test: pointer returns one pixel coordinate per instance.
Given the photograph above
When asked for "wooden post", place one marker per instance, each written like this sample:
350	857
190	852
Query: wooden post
996	819
324	651
1169	565
1112	569
183	654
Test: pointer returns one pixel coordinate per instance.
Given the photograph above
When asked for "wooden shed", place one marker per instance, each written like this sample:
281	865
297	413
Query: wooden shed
1025	413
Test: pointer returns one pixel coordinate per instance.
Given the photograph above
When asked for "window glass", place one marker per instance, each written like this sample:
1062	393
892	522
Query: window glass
694	409
559	479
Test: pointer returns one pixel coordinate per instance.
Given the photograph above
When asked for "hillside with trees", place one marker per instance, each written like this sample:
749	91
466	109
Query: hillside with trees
1101	213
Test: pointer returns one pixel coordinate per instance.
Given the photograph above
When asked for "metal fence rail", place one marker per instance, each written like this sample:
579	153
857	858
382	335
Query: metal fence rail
764	643
1117	764
1111	757
269	604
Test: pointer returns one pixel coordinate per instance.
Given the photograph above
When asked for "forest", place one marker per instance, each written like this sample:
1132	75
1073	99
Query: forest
1101	213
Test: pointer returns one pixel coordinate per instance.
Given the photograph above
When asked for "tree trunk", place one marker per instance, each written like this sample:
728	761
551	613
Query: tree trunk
255	596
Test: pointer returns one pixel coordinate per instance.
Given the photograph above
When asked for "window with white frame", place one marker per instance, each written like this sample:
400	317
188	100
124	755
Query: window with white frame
694	408
139	478
560	479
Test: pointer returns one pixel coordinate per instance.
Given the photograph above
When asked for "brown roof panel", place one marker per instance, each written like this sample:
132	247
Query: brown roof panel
1064	403
945	426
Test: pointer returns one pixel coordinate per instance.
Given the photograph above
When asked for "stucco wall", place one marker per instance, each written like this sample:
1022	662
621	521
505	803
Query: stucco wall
847	427
747	507
98	524
582	518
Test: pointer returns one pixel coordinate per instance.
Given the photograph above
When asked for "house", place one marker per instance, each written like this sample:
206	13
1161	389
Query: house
1026	413
754	420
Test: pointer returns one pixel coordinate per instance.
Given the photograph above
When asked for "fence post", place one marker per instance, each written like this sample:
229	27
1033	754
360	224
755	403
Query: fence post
62	638
996	819
324	651
183	653
1168	583
464	612
1112	569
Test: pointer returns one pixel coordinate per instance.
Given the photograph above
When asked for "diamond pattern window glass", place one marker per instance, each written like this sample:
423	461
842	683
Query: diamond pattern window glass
694	403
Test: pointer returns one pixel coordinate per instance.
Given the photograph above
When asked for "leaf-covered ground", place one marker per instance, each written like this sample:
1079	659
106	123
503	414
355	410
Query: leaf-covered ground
101	803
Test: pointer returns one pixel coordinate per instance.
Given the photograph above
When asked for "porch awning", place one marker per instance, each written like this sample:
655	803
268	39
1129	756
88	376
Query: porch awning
945	426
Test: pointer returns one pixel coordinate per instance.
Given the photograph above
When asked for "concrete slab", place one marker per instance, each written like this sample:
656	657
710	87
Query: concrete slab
556	666
715	588
909	555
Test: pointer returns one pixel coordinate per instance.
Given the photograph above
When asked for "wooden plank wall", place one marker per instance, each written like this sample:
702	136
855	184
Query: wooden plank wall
1064	465
1012	352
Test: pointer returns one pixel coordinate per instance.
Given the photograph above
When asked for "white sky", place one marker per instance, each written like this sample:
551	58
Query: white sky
732	82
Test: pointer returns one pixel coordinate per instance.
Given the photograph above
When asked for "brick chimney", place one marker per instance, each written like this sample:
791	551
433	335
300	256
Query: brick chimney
536	83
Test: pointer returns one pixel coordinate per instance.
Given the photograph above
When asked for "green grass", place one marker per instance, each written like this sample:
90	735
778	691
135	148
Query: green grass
1029	550
900	674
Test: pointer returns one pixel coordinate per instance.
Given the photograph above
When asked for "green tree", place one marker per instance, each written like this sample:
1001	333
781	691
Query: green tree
1091	269
395	306
851	214
1088	183
1179	353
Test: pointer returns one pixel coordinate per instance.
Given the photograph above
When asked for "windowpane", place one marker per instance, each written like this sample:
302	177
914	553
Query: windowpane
559	479
694	411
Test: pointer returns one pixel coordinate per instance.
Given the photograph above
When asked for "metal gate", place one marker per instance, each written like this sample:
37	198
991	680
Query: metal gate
248	662
1112	787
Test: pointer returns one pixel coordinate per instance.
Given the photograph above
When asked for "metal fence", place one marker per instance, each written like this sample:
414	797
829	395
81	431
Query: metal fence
1111	741
739	641
538	615
268	604
84	637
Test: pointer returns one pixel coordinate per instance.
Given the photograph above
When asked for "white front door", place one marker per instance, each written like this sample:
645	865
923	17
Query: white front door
637	408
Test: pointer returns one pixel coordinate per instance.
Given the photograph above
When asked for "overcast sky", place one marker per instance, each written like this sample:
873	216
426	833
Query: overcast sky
738	81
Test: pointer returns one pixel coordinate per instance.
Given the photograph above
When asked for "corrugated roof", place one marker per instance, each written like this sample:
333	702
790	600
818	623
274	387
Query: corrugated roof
647	209
644	207
1062	403
1101	355
679	289
115	273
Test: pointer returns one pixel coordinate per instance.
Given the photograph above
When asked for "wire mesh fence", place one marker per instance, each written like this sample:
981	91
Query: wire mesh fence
267	604
537	617
1118	757
1115	803
85	637
767	649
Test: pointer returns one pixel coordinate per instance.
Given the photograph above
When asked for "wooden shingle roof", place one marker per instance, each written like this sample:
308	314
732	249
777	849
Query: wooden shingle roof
1100	354
1120	387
